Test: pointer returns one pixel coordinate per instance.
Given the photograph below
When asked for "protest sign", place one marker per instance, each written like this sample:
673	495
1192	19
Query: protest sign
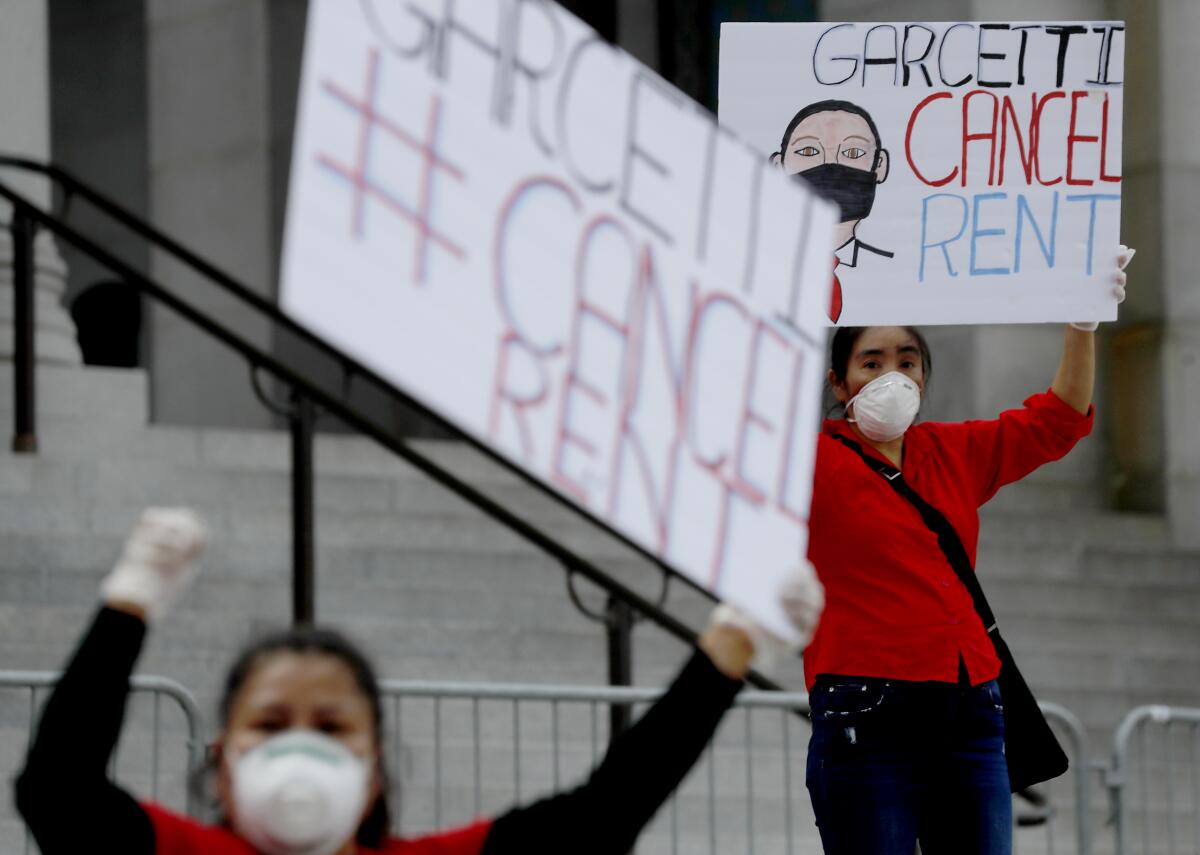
977	166
542	241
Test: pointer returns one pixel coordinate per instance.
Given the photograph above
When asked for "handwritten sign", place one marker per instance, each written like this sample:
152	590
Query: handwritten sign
976	166
537	237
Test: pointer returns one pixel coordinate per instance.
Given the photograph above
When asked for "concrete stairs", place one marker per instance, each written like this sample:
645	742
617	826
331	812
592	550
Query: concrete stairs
1098	608
1100	611
1102	616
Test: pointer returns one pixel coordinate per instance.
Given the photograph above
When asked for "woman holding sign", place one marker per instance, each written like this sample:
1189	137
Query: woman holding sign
908	718
299	768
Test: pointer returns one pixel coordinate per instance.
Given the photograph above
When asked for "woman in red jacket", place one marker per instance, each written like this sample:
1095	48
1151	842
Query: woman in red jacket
300	756
908	731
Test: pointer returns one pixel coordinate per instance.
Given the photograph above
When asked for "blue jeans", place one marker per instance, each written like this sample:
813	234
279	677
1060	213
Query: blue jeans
891	763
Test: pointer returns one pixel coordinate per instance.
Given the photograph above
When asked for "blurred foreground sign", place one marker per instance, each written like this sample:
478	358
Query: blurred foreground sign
977	166
523	228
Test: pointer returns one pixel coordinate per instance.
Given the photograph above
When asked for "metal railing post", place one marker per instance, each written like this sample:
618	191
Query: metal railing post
1118	774
23	229
301	423
1081	767
1116	794
619	630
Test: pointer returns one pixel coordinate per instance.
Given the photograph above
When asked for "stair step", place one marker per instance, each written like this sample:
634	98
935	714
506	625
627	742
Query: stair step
113	397
88	438
232	521
1130	636
1095	528
1098	601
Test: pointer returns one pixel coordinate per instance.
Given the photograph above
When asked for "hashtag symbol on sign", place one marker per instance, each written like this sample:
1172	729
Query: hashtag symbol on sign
359	177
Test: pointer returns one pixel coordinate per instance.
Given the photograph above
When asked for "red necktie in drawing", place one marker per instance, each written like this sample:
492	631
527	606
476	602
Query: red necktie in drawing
835	297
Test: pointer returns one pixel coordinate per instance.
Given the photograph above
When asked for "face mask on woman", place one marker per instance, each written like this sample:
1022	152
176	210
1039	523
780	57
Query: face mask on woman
885	408
299	793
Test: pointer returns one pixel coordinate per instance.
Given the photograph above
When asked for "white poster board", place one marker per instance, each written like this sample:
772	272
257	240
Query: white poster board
539	239
978	165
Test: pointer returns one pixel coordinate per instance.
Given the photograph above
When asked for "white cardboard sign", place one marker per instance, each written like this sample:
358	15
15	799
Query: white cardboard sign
542	241
977	165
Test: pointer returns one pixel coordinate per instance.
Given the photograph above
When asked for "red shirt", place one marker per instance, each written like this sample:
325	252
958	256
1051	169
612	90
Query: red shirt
894	607
181	835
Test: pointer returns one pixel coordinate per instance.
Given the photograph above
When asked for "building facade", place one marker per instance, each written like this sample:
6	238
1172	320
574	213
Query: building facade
182	110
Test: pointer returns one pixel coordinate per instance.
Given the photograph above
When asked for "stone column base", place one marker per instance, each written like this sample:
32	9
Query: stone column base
56	342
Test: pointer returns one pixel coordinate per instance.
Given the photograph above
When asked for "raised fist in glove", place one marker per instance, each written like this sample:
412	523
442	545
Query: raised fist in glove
803	599
160	558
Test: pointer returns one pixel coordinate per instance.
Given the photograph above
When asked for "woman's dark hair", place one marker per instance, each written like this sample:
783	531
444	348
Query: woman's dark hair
832	106
326	642
846	338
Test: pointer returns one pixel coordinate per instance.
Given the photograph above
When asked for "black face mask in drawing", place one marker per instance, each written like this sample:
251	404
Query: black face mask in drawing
853	190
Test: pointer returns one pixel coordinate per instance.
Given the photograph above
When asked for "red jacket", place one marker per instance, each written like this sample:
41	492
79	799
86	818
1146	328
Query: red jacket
894	607
182	835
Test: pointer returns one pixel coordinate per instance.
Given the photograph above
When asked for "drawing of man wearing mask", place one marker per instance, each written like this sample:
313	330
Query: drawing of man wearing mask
835	147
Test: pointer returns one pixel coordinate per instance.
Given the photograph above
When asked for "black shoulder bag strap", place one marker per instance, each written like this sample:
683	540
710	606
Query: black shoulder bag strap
1031	748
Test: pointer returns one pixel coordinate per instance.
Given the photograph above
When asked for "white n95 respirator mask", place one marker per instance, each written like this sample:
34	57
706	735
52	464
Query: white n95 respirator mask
299	793
885	408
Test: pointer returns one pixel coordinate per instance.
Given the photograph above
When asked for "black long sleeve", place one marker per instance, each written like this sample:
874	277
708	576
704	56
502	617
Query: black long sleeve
64	792
605	815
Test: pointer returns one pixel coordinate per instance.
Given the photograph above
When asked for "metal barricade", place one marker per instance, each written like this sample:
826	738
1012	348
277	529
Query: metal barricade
1061	822
148	767
464	750
1154	782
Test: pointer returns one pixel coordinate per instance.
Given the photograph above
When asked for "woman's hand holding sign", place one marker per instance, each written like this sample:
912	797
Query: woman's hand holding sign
1075	378
1124	256
735	642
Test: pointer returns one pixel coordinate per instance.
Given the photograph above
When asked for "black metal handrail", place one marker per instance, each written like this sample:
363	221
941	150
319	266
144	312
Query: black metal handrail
27	217
73	187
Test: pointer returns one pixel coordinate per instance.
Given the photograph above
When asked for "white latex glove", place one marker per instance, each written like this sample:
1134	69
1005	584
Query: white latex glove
1124	256
803	598
159	561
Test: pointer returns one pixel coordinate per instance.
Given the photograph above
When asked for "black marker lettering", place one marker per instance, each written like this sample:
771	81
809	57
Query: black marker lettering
385	31
1024	28
504	87
452	31
532	74
817	49
920	60
450	25
1105	58
995	84
942	50
1064	39
893	60
634	151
